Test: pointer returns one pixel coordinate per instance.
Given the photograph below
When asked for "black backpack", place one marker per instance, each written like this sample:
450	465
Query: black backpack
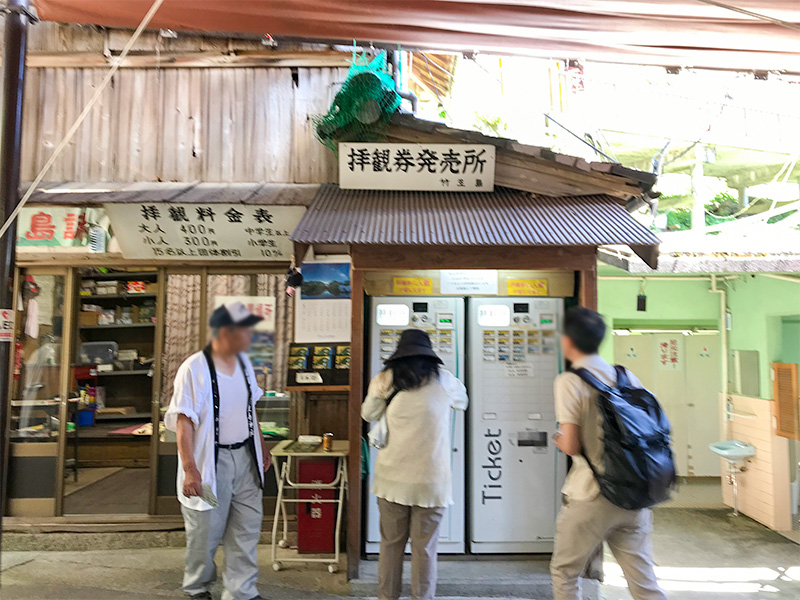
639	470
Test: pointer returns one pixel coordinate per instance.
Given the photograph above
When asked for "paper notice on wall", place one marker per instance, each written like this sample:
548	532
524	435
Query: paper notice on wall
519	370
322	321
669	354
527	287
412	286
482	282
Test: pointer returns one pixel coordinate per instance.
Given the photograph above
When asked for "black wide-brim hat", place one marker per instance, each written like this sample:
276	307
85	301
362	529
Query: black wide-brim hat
414	342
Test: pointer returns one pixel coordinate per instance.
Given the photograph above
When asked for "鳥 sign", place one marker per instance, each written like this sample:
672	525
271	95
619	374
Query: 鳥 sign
416	167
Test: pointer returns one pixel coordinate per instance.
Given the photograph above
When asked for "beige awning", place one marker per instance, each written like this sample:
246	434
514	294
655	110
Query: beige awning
663	32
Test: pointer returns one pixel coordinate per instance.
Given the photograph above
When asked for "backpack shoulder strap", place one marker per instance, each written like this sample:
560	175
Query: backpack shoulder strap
391	397
590	379
623	382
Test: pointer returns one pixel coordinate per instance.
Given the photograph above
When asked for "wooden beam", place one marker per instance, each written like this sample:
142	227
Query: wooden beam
190	60
383	258
354	423
534	173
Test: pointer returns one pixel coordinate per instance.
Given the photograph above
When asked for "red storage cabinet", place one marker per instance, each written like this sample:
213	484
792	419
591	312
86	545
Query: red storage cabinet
316	521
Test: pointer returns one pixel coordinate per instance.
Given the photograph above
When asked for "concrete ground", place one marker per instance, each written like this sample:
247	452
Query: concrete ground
701	555
706	554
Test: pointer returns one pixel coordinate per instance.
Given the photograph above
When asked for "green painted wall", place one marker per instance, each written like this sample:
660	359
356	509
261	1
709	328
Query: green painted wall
765	313
758	306
670	304
790	340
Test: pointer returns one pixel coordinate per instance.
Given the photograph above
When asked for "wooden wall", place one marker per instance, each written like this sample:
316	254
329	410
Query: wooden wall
764	486
213	124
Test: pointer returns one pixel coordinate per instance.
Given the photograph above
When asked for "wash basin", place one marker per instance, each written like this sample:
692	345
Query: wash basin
733	450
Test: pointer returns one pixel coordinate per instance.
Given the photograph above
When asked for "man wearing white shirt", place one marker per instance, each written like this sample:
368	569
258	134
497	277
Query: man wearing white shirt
221	457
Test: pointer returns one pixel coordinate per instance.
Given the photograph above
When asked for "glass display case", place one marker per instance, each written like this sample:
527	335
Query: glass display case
36	397
272	412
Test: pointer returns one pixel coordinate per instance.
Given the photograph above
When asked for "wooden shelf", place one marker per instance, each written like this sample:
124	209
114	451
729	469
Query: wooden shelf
99	297
120	275
118	417
119	326
317	388
118	373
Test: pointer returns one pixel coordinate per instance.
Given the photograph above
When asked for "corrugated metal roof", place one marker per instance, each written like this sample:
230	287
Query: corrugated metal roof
501	218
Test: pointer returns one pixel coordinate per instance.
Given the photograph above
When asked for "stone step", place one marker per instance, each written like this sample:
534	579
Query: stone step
131	540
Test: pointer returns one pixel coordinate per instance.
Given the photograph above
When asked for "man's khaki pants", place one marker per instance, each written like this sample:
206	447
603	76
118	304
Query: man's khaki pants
236	523
582	526
397	523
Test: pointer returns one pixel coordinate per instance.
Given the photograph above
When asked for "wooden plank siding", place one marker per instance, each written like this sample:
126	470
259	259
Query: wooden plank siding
221	125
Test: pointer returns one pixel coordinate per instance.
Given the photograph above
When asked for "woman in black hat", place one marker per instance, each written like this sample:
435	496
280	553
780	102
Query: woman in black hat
412	472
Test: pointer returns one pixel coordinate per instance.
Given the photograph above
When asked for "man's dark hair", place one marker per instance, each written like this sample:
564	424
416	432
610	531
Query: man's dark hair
585	328
412	372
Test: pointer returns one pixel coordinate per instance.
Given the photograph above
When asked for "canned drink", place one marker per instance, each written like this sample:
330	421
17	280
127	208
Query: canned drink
327	442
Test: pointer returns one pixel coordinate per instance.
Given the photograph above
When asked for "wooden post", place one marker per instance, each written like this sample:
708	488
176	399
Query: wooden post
15	48
354	423
587	294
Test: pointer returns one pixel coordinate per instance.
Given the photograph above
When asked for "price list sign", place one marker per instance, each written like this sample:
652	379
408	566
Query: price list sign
206	232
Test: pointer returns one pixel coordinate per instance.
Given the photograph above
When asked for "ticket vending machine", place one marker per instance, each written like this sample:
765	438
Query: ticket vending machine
443	319
515	471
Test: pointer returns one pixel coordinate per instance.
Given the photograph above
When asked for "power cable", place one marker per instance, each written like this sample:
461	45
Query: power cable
433	81
750	13
82	117
547	116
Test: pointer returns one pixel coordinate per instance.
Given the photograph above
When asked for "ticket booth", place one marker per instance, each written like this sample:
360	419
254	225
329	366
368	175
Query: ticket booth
488	275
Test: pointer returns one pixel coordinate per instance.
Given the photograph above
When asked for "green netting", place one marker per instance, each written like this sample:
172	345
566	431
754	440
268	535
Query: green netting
680	219
362	108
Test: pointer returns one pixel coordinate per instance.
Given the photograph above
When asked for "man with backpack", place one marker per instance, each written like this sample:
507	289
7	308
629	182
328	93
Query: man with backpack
618	438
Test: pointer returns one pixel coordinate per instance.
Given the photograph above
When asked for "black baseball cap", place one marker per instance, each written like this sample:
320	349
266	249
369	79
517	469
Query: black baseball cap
233	314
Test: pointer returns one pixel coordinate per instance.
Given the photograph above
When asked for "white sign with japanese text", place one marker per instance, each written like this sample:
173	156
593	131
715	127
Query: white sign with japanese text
670	354
204	231
416	167
469	281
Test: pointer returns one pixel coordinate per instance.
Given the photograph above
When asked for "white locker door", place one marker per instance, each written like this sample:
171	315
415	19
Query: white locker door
669	354
660	362
443	319
703	404
635	353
